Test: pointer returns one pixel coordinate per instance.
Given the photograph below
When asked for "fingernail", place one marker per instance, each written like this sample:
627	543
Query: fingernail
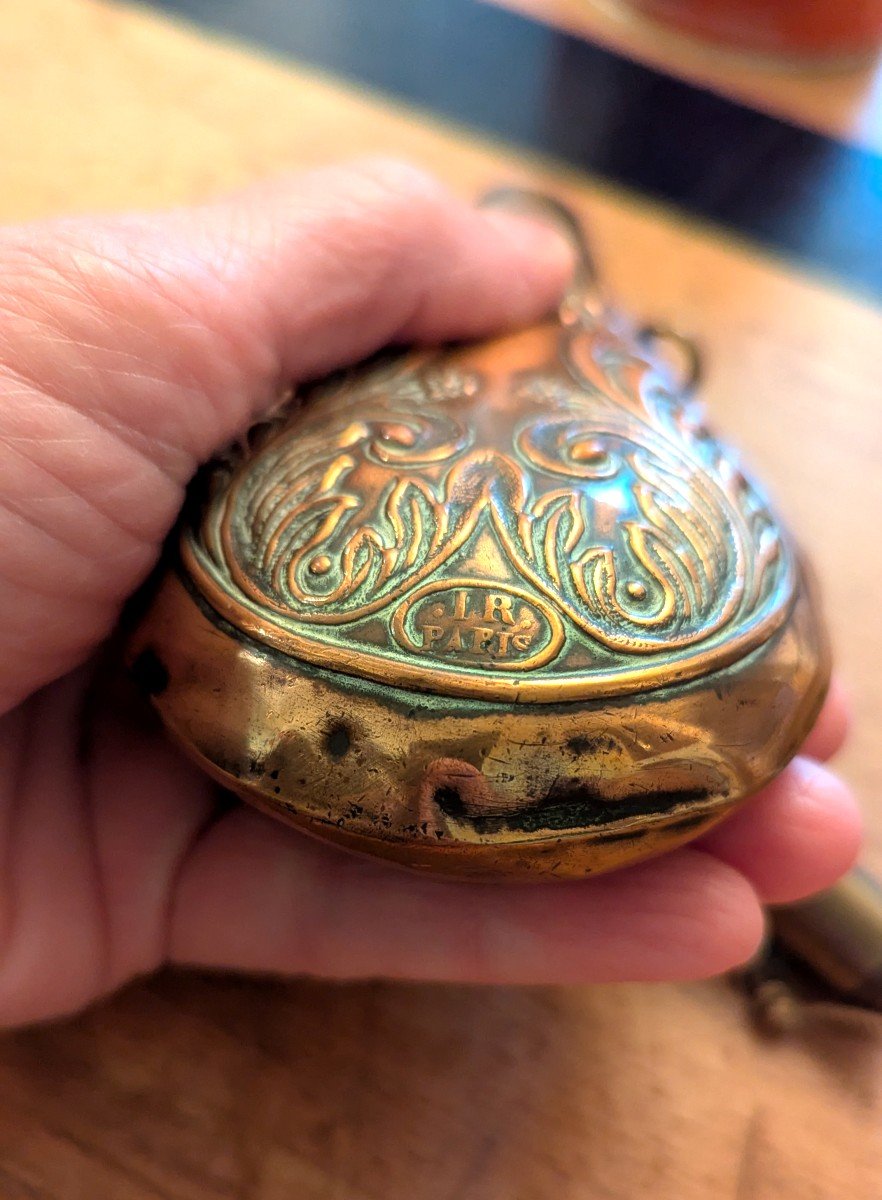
537	238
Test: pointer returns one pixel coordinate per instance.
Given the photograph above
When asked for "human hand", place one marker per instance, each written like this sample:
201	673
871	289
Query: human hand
131	348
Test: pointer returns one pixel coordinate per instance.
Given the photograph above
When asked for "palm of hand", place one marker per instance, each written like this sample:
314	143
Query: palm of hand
129	351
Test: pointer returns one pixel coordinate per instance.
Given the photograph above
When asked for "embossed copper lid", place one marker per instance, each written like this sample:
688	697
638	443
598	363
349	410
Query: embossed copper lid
448	556
540	520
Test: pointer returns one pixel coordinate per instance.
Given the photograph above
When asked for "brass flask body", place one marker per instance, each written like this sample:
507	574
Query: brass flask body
500	610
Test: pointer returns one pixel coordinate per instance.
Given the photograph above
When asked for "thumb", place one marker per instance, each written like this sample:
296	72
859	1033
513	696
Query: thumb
132	347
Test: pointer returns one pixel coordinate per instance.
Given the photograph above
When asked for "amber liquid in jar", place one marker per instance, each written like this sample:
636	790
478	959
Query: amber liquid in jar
798	28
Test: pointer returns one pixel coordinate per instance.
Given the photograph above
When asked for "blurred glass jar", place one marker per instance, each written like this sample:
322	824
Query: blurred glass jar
834	29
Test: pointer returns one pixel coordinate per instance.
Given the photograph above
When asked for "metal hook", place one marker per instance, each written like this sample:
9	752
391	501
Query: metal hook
685	346
547	208
586	278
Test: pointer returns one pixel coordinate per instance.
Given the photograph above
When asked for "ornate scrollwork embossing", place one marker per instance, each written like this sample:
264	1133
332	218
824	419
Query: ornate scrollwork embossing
648	556
582	496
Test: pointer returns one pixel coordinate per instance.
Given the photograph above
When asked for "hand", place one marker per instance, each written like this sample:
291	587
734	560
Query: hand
130	349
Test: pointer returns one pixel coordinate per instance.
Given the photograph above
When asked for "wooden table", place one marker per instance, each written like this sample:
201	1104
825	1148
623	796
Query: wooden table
190	1087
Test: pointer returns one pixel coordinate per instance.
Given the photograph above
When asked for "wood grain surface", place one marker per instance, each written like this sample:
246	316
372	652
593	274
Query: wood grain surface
191	1087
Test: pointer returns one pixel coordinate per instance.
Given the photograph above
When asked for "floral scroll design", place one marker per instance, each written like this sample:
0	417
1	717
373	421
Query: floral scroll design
603	491
337	523
642	551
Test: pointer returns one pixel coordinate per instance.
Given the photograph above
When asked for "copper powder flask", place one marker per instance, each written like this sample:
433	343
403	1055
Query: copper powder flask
503	610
